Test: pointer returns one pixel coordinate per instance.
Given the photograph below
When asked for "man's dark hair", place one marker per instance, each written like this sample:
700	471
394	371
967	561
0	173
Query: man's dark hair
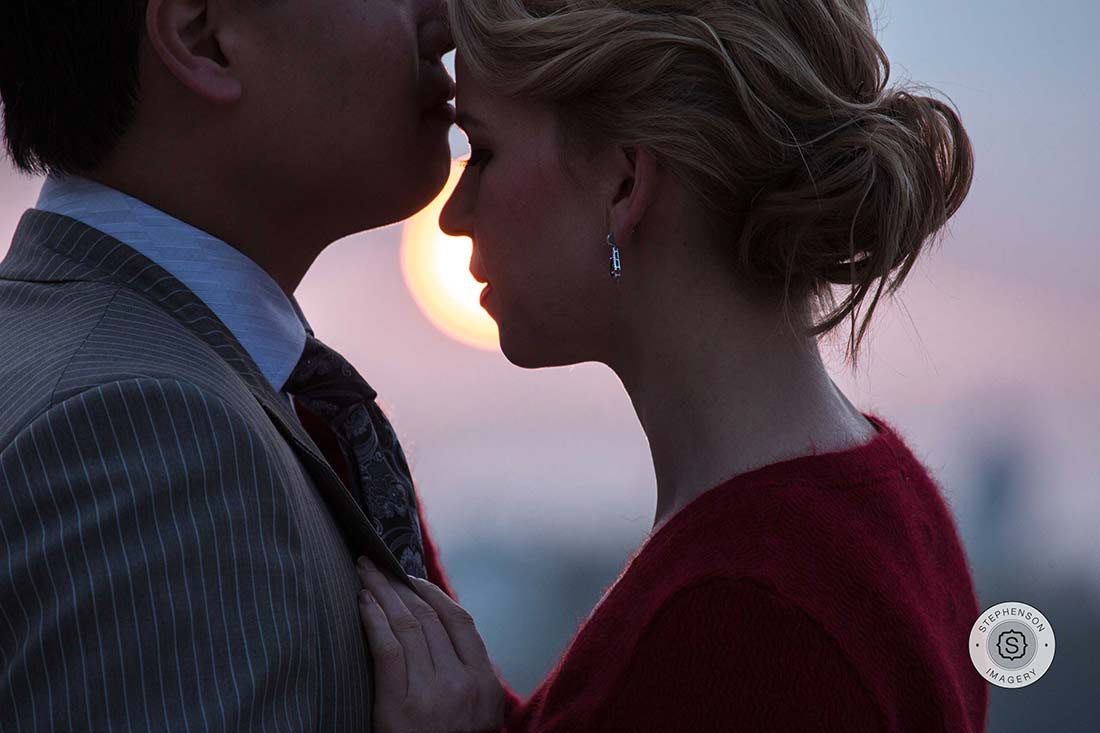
68	80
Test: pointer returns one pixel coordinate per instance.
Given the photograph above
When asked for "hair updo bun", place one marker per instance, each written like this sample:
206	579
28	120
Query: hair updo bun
772	113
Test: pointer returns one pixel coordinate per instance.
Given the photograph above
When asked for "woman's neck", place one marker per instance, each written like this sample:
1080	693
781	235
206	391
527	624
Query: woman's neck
721	389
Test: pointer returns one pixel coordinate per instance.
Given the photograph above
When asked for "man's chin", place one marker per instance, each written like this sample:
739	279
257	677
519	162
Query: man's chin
428	185
418	195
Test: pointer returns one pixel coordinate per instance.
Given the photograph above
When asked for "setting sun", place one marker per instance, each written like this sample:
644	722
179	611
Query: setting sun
436	270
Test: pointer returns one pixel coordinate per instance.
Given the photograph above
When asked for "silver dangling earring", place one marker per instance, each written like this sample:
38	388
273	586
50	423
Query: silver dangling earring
616	263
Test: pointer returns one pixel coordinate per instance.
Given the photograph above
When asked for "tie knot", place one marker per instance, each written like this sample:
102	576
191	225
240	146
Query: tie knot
322	374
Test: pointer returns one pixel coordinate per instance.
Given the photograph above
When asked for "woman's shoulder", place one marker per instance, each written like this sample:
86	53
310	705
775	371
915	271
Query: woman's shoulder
854	556
842	512
856	539
838	587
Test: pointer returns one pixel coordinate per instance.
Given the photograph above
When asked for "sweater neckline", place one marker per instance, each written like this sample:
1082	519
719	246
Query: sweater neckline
877	456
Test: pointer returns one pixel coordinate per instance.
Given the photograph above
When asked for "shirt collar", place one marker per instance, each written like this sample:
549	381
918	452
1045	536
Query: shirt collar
270	326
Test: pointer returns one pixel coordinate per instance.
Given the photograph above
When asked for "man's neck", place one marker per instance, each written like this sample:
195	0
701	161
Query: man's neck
284	246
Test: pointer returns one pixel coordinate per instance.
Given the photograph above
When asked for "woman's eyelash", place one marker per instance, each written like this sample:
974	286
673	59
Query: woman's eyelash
478	156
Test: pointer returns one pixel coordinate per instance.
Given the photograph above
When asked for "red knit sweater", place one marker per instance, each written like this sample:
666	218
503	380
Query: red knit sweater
828	593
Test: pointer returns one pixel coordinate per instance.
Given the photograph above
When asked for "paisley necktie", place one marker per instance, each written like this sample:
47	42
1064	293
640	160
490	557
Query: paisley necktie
327	385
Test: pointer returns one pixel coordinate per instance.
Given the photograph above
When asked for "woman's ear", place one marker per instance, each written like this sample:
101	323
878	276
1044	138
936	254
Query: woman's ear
637	187
184	34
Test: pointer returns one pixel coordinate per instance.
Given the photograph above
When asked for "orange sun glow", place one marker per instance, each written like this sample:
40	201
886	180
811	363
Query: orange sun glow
436	271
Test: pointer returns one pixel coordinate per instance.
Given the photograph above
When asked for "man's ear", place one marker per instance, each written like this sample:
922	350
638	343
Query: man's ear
637	187
184	34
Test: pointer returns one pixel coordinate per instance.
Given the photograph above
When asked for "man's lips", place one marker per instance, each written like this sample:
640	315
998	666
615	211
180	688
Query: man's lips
443	111
438	89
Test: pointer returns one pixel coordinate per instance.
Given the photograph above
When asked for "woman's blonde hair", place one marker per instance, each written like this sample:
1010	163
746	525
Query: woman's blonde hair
774	114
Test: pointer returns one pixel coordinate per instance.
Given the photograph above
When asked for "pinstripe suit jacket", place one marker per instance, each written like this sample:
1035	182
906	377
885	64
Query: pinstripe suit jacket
175	553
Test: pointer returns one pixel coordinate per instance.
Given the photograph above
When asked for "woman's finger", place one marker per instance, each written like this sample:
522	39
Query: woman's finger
460	626
390	677
419	669
444	657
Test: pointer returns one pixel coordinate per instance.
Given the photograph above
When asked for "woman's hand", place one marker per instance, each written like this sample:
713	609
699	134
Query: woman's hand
431	669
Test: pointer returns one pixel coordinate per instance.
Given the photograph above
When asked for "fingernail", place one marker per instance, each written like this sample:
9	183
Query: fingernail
365	597
362	561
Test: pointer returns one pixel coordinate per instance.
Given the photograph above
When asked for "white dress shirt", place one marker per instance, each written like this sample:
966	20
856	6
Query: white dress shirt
270	326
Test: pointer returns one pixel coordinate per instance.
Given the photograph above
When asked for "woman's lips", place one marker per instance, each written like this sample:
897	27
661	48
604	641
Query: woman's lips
485	294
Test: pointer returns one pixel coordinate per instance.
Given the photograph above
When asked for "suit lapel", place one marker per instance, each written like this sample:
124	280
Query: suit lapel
50	247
